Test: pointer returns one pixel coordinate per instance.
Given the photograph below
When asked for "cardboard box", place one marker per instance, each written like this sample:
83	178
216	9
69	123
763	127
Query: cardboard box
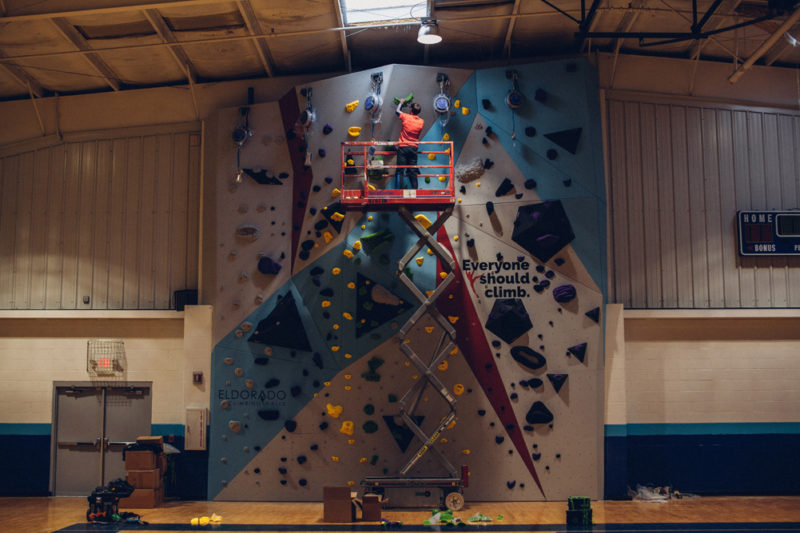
152	440
338	504
371	507
143	499
140	460
146	479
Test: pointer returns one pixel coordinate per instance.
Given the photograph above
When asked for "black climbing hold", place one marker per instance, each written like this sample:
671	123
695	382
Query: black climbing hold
314	447
269	414
370	426
510	452
282	327
316	271
481	412
542	229
462	190
559	261
558	456
488	366
552	154
257	448
544	283
496	343
536	456
557	380
305	373
579	351
261	360
511	484
317	359
323	426
262	177
564	293
290	425
328	180
283	175
519	195
489	131
326	315
540	268
256	470
530	131
302	482
326	129
315	188
268	266
567	182
321	152
301	459
566	139
485	140
499	439
550	274
508	319
470	243
488	163
282	470
369	409
491	424
594	314
326	292
489	208
527	427
273	382
530	183
513	396
290	134
321	225
283	482
486	103
308	244
540	96
505	187
539	414
528	358
391	398
315	383
296	391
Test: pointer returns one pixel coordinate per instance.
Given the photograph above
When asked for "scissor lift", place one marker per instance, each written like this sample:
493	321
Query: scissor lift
360	173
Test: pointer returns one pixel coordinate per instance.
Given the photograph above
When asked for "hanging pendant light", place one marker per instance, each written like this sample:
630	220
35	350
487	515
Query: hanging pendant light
428	32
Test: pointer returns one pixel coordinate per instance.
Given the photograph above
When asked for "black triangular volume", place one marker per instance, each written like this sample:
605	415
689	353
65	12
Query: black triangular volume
557	380
594	314
402	434
579	351
566	139
282	327
375	305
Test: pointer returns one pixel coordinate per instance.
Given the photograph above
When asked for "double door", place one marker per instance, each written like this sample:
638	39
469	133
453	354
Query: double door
91	426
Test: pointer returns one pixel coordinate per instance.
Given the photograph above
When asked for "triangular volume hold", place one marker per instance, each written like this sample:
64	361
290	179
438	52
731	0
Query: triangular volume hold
557	380
566	139
376	305
282	327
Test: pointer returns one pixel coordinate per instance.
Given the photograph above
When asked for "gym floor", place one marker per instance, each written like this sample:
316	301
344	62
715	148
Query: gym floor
717	514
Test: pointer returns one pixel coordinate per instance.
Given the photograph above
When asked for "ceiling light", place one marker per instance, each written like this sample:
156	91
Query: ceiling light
791	39
428	32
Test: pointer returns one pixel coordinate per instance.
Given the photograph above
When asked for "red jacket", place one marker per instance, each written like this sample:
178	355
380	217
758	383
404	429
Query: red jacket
412	127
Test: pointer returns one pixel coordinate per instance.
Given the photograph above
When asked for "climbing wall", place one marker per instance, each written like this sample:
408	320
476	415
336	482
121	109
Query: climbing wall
307	376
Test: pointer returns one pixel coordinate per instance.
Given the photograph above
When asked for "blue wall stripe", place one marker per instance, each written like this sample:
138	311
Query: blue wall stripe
24	429
728	428
167	429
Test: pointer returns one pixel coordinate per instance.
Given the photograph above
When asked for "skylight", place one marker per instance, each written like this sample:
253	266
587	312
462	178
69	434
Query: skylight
369	11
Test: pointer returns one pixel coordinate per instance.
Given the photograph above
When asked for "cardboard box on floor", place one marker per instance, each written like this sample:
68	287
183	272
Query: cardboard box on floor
145	479
143	499
338	504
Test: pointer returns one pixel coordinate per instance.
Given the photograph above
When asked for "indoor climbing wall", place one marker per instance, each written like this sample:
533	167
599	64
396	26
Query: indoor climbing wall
307	375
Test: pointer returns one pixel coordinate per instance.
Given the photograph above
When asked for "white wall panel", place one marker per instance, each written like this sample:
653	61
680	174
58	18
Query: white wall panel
680	170
111	218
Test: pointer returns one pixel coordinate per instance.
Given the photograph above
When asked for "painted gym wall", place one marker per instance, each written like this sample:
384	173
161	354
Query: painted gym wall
696	398
307	369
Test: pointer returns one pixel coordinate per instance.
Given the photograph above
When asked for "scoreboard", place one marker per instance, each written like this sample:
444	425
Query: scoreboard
769	232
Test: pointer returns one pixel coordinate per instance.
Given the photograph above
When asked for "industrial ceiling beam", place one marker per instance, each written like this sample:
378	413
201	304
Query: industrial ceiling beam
177	52
624	26
92	57
511	22
254	27
765	46
727	7
337	9
45	15
780	47
21	76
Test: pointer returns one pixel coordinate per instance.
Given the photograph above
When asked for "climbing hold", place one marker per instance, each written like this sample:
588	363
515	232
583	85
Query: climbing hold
486	103
235	426
269	414
347	427
347	253
489	208
370	426
228	360
350	107
457	104
528	358
470	171
335	193
499	439
334	410
594	314
579	351
326	129
354	131
443	178
458	389
423	221
268	266
488	163
465	110
539	414
564	293
336	271
357	246
506	186
510	484
540	96
327	236
530	131
557	380
508	319
248	232
321	152
566	139
443	365
452	319
420	260
552	154
431	156
282	327
290	425
542	229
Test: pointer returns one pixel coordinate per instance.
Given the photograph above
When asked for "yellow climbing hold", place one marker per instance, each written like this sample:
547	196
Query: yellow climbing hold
354	131
429	329
351	106
458	389
478	184
326	383
327	236
442	275
326	303
442	366
335	193
351	285
455	238
371	187
423	221
351	483
347	427
465	110
442	178
465	452
347	315
428	293
348	254
334	459
451	425
452	319
420	260
347	376
369	218
337	217
357	246
351	441
457	104
459	200
336	326
362	460
431	156
334	410
454	351
363	226
446	137
347	387
443	440
336	271
348	356
335	348
430	252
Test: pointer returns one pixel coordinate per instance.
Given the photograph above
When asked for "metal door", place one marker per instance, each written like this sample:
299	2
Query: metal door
92	424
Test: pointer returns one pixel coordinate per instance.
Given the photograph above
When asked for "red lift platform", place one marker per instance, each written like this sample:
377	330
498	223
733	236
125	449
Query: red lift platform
365	184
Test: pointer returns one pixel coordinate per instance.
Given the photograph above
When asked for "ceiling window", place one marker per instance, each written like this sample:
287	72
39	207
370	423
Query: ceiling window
356	12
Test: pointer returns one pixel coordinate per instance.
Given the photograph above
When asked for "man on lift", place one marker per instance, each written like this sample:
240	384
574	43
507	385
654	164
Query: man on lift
407	145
